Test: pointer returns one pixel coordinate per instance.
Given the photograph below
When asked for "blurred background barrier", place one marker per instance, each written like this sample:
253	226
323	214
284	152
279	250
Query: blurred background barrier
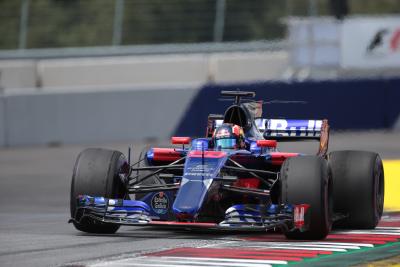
49	118
2	122
348	104
144	70
112	114
91	71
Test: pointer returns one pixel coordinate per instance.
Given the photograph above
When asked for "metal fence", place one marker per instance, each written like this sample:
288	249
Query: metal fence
75	23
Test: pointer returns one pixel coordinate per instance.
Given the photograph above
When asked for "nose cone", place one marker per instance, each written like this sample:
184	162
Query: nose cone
182	216
185	210
201	167
189	199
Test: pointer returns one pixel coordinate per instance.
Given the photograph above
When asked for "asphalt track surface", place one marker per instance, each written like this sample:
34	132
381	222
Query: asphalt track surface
34	209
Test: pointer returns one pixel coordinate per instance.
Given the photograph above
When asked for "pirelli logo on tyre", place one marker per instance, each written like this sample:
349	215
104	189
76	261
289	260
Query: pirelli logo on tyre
160	203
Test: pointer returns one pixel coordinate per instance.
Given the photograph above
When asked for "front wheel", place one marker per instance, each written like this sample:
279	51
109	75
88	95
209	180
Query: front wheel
306	180
96	173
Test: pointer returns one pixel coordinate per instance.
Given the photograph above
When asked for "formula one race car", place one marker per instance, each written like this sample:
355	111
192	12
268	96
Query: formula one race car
234	178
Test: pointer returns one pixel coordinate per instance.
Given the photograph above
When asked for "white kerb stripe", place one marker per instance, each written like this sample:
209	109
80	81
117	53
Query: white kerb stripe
297	246
327	247
210	262
189	261
306	248
234	260
389	229
321	246
222	244
369	232
309	244
344	244
146	264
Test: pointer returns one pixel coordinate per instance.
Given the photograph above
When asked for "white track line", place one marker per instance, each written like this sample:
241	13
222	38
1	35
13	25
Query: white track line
180	265
321	245
188	261
396	229
135	262
307	248
299	246
202	262
216	244
344	244
373	232
235	260
113	264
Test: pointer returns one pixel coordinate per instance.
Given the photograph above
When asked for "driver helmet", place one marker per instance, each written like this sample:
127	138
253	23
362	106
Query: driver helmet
228	136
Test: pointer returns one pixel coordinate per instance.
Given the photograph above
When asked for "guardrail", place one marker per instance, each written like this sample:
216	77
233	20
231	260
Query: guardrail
105	51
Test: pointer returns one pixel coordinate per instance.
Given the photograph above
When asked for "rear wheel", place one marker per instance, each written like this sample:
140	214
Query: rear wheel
306	180
96	173
358	188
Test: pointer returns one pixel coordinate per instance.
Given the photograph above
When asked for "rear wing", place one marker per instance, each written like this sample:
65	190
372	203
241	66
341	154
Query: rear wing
292	130
285	130
281	129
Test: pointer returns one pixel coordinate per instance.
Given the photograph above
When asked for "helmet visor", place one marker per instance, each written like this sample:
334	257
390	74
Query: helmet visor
226	143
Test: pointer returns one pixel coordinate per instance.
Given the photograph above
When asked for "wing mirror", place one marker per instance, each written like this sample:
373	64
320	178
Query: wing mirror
180	140
267	143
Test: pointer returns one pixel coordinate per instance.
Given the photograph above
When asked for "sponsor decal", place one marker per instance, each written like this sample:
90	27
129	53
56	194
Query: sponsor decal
160	203
281	127
370	42
384	41
299	216
205	170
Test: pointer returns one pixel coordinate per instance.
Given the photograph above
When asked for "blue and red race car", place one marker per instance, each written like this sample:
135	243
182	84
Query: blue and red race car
233	178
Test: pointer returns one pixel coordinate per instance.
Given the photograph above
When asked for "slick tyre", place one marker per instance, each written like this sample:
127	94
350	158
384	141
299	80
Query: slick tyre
358	188
306	180
96	173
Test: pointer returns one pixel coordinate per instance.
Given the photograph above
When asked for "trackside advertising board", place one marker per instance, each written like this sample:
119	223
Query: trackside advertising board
372	42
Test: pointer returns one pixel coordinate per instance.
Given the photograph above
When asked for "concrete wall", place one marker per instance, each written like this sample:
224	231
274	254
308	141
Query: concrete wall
18	74
140	71
90	117
248	67
2	122
106	72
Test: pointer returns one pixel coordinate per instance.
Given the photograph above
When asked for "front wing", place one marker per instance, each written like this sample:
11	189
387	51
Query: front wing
239	217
